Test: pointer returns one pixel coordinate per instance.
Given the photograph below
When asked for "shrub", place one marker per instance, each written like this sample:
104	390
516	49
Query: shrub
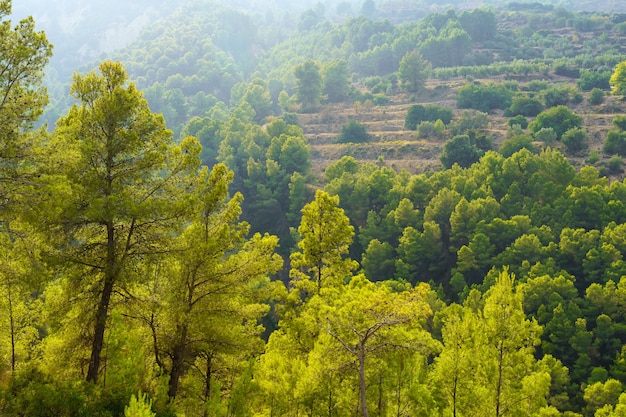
546	135
620	122
594	157
484	97
577	98
538	85
565	71
430	113
615	164
353	132
460	150
516	143
469	121
519	120
615	143
525	106
425	129
575	139
556	96
559	118
139	406
291	118
590	79
596	96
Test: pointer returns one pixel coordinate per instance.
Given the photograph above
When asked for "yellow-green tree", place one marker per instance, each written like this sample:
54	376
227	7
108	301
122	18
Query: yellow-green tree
210	296
325	238
124	194
24	53
618	79
23	56
367	321
487	366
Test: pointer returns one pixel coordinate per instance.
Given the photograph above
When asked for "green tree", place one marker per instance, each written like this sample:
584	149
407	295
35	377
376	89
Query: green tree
257	95
599	394
378	260
525	106
618	79
511	339
419	113
575	139
414	71
23	57
353	132
484	97
336	76
454	369
615	143
596	96
460	150
139	406
515	143
19	310
127	180
559	118
487	366
519	120
209	304
368	319
309	85
325	238
480	24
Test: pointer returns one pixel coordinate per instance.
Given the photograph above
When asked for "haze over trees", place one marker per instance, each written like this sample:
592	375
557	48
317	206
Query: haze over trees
207	224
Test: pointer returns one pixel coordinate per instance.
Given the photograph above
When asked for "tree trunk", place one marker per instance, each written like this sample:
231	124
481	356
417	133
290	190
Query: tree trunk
178	363
454	395
99	328
363	397
12	324
207	377
499	382
110	275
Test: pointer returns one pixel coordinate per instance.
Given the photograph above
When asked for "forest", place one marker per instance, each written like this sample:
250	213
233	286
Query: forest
353	211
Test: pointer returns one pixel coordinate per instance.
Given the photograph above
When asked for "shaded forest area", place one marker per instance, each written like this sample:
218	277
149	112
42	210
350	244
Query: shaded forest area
214	222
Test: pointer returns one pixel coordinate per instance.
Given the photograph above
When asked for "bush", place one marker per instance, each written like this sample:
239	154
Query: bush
291	118
594	157
469	121
563	70
559	118
620	122
615	143
546	135
353	132
139	406
538	85
615	164
430	113
575	139
596	96
484	97
519	120
556	96
590	79
516	143
460	150
525	106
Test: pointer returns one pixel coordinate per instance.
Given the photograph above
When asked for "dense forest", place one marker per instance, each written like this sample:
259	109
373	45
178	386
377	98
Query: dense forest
332	210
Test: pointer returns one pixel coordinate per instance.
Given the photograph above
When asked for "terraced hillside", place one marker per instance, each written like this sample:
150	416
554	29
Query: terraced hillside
394	146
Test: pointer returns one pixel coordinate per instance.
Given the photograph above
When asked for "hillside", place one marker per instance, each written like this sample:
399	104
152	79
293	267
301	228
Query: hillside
392	145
